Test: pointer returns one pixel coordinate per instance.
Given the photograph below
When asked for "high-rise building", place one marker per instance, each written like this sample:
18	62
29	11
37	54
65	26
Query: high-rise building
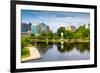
30	26
71	28
35	29
47	28
42	27
25	27
38	28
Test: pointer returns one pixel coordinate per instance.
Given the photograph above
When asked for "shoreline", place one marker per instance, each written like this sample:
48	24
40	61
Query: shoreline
34	54
60	40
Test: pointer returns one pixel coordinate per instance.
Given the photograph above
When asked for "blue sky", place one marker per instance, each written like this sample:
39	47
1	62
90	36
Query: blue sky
55	19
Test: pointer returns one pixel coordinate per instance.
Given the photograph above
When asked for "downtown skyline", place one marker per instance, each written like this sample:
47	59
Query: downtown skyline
55	19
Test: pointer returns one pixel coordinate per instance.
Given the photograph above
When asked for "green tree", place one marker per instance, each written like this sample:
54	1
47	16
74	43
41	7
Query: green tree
61	30
23	43
32	34
50	35
43	33
82	33
87	33
69	34
56	37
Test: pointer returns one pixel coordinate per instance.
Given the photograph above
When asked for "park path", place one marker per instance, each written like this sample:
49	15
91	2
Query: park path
34	54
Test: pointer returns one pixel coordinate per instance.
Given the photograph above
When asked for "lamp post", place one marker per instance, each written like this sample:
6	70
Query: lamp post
62	46
62	37
47	38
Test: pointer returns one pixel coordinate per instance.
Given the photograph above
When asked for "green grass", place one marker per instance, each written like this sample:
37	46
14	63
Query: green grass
25	53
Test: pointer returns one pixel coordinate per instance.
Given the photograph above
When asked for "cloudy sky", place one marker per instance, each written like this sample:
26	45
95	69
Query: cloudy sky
55	19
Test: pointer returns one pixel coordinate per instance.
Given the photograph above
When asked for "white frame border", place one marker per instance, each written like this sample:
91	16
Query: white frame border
20	65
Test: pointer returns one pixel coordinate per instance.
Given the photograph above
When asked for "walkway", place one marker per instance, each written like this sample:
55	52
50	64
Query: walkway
34	54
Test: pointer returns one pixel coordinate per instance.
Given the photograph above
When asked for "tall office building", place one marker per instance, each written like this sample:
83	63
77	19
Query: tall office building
25	27
35	29
47	28
38	28
42	27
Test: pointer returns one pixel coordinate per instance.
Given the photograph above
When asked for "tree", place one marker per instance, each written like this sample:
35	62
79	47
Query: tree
82	33
69	34
56	37
43	33
87	33
39	37
23	43
32	34
61	30
50	35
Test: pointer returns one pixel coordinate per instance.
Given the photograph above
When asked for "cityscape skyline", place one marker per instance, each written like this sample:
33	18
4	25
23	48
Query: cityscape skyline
57	19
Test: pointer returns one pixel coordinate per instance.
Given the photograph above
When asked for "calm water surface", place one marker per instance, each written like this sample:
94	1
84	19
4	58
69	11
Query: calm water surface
62	52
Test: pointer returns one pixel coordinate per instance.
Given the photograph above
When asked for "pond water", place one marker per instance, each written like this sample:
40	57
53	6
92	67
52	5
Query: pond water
62	52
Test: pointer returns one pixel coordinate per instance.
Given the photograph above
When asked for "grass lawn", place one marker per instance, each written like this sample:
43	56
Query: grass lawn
25	53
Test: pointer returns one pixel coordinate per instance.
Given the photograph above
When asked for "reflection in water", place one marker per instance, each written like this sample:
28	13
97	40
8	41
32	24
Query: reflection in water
62	52
67	47
83	47
43	47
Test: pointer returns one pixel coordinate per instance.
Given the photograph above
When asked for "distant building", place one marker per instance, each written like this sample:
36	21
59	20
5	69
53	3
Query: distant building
71	28
25	33
29	26
42	27
35	29
38	28
87	26
25	28
47	28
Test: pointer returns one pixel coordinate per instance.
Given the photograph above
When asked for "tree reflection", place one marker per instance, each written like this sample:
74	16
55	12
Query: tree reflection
62	48
67	47
43	47
83	47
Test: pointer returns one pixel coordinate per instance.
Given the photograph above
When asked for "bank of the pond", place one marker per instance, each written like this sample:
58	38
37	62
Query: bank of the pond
34	54
62	40
25	52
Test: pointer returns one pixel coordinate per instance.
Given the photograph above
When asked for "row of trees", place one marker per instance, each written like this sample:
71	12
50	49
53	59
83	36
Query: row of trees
43	35
80	33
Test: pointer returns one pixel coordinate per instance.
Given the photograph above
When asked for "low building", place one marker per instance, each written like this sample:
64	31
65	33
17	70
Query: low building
26	33
87	26
71	28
